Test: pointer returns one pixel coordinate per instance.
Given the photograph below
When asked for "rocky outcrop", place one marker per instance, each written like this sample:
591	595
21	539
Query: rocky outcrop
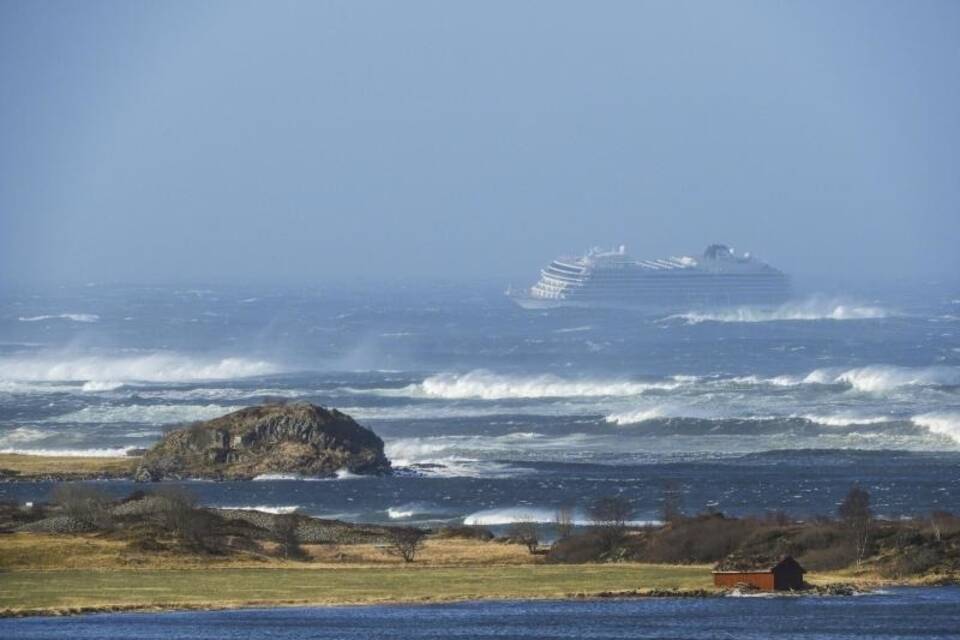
301	439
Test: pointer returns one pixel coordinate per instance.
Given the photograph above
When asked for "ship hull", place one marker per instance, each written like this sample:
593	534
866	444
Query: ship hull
529	302
612	279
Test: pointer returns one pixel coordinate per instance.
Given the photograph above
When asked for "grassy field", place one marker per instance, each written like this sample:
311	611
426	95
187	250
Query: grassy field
71	590
66	466
58	574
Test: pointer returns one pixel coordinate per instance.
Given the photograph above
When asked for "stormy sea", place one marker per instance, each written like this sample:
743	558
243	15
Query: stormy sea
492	413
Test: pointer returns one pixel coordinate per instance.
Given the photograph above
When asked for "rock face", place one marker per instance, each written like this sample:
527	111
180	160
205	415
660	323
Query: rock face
301	439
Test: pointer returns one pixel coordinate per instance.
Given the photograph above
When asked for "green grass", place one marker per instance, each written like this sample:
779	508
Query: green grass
66	590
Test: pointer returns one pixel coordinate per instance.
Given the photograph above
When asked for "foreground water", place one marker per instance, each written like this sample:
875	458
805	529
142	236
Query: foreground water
490	412
902	613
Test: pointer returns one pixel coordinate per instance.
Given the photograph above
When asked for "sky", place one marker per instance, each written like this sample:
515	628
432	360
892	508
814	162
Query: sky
326	141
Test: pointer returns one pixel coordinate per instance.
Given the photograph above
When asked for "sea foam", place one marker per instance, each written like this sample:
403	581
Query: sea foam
510	515
153	367
487	385
812	309
74	317
882	378
940	422
155	414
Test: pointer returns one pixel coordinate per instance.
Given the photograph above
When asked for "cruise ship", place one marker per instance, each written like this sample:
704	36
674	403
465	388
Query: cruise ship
718	278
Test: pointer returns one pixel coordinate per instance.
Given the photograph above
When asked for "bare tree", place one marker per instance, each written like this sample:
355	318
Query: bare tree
856	515
405	542
671	507
939	520
563	522
285	528
179	514
84	503
610	516
526	532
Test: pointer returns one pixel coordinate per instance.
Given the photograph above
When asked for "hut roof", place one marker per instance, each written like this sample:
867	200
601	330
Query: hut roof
755	563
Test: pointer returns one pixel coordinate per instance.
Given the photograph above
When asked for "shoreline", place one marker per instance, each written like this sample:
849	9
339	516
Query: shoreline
277	604
585	596
30	467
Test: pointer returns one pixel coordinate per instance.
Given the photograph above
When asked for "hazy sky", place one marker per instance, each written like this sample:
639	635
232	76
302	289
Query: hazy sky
171	141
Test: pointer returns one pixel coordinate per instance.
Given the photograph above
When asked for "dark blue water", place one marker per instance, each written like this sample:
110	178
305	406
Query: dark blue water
489	411
904	613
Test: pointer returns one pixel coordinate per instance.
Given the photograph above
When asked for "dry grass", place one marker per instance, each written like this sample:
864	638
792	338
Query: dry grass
49	591
33	551
436	552
47	573
29	465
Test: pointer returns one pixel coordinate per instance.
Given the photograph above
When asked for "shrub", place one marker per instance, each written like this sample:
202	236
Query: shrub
563	522
179	514
405	542
84	503
610	516
575	549
285	528
467	532
525	532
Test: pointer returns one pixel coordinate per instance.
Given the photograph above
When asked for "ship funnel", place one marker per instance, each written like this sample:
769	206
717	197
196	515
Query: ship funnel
622	249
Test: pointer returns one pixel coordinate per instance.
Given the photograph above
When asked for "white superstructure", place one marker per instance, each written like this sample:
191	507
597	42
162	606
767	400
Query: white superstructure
614	279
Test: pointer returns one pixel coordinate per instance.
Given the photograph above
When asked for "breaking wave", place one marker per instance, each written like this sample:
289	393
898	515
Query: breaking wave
658	412
155	367
278	509
487	385
881	378
814	309
409	510
510	515
144	414
941	423
266	477
21	435
449	457
844	419
74	317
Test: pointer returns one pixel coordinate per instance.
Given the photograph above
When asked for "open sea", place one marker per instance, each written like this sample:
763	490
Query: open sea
490	412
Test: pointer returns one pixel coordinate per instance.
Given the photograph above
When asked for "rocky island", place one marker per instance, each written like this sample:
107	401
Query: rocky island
301	439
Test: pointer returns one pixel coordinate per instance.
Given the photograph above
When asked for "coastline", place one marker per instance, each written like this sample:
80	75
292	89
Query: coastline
90	574
28	467
55	574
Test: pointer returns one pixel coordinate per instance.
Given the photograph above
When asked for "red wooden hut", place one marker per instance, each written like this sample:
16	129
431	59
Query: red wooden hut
783	575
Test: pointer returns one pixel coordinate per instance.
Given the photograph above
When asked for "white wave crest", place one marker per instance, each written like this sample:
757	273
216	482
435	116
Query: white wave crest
94	386
21	435
940	422
75	317
154	367
156	414
267	477
487	385
275	509
510	515
813	309
446	457
881	378
404	511
657	412
843	419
